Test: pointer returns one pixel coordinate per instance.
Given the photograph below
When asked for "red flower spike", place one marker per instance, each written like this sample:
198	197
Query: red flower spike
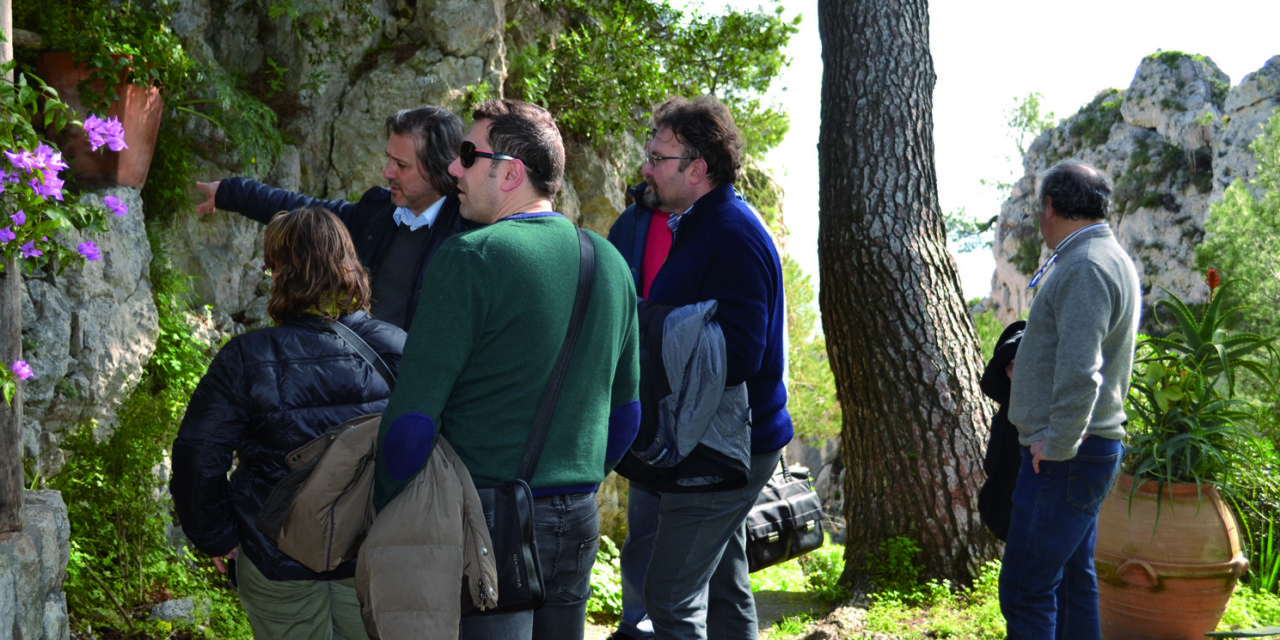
1211	279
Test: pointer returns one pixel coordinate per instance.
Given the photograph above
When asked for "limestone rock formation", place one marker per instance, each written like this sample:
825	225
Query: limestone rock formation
1171	144
32	568
87	333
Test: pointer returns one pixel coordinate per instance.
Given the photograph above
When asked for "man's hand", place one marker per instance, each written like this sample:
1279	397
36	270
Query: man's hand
210	189
217	562
1037	454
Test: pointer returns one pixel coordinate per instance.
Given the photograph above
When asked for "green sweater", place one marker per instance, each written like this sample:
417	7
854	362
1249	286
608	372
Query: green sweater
493	313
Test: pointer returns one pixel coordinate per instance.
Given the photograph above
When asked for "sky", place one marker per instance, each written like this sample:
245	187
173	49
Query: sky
986	53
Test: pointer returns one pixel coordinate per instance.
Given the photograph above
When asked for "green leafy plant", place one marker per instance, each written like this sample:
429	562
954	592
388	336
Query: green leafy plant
1187	426
130	40
647	50
894	569
606	584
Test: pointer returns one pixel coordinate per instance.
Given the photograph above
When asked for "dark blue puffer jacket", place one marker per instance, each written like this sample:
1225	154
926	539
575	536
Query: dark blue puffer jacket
266	393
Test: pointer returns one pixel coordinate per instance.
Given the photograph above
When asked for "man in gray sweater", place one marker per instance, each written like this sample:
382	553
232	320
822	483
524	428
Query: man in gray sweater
1067	401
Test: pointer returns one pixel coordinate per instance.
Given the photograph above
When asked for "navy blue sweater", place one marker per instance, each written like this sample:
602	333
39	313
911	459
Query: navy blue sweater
721	251
369	222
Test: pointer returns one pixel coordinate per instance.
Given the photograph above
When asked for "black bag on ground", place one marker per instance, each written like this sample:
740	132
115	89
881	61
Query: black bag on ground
786	521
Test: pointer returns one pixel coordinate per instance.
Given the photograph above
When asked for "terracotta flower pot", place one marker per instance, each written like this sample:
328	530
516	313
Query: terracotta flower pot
1170	581
139	110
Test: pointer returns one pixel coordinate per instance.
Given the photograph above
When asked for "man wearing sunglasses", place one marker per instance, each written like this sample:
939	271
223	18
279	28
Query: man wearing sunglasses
695	583
496	305
396	229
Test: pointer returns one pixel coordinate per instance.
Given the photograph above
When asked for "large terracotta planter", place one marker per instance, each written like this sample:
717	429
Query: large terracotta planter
139	110
1170	581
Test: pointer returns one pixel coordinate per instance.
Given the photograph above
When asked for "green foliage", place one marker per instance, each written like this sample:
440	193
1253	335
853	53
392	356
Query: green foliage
121	560
115	39
894	569
812	397
252	136
1250	608
936	610
966	234
989	329
612	56
822	568
605	604
1091	126
321	27
788	627
1026	122
1186	424
1027	258
1242	233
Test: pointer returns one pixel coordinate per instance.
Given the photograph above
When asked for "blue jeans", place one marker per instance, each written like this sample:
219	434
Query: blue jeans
1048	587
643	508
696	586
567	531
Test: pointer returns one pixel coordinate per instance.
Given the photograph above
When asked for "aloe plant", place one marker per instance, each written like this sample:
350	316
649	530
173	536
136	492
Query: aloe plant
1185	423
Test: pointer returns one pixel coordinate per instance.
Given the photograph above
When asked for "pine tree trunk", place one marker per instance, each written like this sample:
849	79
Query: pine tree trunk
902	348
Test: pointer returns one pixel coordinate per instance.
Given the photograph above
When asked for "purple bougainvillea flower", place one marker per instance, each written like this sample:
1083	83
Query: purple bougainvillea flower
23	159
19	218
21	369
89	250
108	132
113	203
53	185
29	250
49	158
7	234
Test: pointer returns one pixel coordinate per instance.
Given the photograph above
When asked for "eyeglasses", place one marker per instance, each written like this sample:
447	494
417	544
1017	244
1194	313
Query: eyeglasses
468	153
654	160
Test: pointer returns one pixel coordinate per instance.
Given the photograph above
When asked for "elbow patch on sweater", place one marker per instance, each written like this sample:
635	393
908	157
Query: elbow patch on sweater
407	444
624	422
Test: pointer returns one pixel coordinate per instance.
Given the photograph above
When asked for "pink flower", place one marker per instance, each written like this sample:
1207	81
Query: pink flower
21	369
7	234
108	132
29	250
89	251
18	218
113	203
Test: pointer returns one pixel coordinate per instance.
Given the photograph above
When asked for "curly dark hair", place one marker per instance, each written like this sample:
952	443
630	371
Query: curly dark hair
314	266
528	132
437	134
705	128
1078	191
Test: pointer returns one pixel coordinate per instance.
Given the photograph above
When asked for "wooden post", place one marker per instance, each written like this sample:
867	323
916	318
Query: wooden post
10	349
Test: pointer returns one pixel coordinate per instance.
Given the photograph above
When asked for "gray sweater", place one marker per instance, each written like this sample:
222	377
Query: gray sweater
1073	366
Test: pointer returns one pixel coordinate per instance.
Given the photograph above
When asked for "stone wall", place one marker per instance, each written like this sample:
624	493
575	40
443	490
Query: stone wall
1171	144
32	568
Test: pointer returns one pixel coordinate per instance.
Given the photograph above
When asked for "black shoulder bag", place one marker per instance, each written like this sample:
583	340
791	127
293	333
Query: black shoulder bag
508	507
786	521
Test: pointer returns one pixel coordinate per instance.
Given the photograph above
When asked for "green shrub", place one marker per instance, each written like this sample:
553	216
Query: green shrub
605	604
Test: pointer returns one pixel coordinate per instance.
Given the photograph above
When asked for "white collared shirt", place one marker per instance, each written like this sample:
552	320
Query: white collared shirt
427	218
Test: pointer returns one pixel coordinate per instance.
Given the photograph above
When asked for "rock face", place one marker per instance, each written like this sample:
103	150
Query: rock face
32	568
87	333
1171	144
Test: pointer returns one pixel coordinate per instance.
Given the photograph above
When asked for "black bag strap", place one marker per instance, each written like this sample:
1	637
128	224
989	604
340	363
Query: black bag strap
547	407
364	350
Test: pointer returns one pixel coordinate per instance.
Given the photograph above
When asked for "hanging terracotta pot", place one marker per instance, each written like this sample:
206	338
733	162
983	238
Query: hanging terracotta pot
1170	580
139	110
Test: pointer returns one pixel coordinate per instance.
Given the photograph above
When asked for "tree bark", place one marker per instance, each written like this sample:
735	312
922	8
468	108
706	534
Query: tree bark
10	350
901	344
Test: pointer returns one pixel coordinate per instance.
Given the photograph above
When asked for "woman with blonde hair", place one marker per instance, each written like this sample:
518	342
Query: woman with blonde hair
268	392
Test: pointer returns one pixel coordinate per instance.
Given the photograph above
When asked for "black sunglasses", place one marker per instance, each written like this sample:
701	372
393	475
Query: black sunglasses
468	154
